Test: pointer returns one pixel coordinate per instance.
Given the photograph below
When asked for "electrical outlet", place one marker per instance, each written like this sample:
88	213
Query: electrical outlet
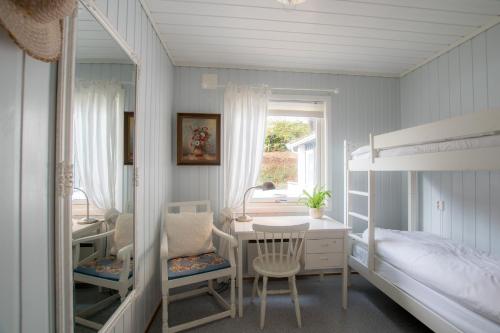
440	205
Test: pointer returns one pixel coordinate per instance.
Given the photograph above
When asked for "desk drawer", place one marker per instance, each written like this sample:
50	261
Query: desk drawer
324	260
328	245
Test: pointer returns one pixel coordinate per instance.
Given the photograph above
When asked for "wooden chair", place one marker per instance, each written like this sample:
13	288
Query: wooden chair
225	267
112	272
279	251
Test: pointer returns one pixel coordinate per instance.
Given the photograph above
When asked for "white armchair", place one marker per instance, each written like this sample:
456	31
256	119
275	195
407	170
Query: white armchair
216	265
113	272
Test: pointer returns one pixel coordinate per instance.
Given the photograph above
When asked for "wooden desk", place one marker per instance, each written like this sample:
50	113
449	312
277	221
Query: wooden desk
324	246
90	229
82	230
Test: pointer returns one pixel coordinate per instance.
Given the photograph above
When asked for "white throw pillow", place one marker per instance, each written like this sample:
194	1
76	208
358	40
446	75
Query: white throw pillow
189	234
110	217
124	232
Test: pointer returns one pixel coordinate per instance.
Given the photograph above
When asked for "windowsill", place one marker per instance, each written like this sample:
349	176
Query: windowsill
273	208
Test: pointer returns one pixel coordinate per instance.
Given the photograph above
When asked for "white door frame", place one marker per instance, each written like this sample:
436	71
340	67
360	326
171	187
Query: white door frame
64	167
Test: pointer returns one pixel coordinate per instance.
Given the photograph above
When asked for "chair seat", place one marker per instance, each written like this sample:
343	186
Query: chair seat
194	265
275	268
108	268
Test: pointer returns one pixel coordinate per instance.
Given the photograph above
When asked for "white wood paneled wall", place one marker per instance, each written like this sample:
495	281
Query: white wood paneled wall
364	105
27	92
126	75
464	80
153	154
27	117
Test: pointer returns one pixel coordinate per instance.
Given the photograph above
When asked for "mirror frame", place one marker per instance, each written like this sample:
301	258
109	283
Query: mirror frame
63	272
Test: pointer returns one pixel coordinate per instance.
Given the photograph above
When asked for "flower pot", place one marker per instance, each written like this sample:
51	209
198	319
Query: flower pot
316	213
198	152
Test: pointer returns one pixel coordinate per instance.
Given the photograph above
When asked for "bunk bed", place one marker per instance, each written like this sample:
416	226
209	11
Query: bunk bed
448	286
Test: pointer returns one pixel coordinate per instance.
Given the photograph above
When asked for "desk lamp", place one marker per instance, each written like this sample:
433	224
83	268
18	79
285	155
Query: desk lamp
264	187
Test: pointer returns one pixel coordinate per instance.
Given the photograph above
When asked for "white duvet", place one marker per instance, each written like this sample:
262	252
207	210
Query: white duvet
452	145
468	276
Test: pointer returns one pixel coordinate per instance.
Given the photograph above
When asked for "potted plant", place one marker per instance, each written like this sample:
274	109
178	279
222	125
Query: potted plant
316	201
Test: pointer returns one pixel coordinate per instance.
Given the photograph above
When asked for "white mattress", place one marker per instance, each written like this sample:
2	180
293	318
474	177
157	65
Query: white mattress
453	145
459	283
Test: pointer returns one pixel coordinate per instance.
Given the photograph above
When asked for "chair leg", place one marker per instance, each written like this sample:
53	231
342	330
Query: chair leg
296	301
263	296
290	287
165	328
210	287
255	286
123	294
233	297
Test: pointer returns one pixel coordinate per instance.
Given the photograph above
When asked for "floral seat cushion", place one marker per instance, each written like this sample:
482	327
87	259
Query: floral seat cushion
106	268
193	265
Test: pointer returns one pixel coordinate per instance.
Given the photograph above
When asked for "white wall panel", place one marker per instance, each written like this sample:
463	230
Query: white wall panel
37	182
153	154
364	105
27	92
468	78
11	67
27	120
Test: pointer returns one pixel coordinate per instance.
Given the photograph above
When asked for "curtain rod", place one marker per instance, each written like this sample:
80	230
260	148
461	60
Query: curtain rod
332	91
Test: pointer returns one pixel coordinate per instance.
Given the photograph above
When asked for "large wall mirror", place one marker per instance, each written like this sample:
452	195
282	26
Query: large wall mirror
102	198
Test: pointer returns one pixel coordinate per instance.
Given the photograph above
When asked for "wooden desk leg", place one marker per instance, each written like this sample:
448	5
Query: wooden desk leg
240	277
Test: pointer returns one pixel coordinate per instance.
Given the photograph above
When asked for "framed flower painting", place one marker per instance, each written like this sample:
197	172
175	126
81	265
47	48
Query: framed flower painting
198	139
128	138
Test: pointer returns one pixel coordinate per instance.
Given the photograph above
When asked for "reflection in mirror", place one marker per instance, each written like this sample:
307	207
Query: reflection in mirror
103	154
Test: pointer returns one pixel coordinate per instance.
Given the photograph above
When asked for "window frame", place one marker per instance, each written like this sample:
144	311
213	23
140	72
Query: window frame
292	205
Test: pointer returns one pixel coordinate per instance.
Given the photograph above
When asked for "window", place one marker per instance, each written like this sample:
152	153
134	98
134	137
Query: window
293	151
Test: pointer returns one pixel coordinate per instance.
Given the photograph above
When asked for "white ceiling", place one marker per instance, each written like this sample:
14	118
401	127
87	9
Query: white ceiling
387	37
94	44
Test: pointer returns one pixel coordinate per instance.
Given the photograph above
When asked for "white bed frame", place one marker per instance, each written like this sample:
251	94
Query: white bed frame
470	125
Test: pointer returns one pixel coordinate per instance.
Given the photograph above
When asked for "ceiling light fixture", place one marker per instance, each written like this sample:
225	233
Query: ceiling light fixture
291	3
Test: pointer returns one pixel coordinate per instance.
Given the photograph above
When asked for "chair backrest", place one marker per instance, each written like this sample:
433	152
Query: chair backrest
278	244
186	207
124	232
189	207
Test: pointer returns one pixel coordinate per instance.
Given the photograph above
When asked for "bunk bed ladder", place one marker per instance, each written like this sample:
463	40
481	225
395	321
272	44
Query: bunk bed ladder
350	215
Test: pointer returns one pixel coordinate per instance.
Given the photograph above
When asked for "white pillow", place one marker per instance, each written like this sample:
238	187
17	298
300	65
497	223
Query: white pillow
110	217
124	232
189	234
361	150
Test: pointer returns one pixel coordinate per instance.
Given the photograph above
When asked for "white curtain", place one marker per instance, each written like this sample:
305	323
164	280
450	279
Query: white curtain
98	141
245	112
